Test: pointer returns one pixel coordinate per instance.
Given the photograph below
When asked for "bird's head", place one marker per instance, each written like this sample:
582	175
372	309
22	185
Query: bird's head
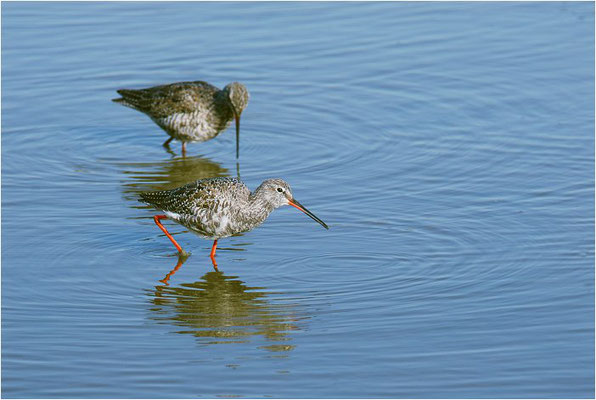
238	95
278	192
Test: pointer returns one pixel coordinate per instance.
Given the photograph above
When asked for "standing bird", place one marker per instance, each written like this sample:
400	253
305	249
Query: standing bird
216	208
190	111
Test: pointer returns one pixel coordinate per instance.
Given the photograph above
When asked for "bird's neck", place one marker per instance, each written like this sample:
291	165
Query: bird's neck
223	97
258	207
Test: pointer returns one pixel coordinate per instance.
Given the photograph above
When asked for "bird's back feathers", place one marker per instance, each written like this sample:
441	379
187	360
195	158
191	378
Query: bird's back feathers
162	101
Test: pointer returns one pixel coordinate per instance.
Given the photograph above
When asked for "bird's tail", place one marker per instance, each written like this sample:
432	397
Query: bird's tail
159	199
130	98
148	197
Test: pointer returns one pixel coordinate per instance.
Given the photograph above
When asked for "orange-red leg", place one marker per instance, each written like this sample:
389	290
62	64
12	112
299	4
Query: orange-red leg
156	219
212	255
183	149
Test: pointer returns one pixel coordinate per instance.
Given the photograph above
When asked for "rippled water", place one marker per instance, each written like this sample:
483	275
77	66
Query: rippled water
449	146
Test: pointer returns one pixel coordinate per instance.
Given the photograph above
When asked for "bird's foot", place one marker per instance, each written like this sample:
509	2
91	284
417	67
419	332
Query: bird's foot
183	253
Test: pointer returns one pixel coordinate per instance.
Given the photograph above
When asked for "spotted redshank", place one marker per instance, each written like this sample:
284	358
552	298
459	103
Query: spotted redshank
190	111
216	208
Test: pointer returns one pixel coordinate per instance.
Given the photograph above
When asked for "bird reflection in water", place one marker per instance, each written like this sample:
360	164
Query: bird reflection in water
182	257
167	174
223	309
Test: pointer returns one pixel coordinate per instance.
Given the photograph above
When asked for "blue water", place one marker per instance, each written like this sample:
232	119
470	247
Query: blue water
449	146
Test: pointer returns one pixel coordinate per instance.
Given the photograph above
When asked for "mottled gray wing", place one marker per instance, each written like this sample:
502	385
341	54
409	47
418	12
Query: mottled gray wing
211	194
164	100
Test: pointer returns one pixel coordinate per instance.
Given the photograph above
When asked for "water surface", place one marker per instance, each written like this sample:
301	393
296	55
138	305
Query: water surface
449	146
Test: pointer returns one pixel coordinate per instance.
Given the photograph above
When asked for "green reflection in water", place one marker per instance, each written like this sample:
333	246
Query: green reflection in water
221	309
167	174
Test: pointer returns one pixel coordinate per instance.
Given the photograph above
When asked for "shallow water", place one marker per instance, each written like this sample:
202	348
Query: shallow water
449	146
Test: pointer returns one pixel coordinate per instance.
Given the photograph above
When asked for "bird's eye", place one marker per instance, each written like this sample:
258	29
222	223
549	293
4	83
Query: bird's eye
280	190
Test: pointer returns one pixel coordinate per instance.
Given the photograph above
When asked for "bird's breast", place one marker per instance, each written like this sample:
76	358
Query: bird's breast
202	124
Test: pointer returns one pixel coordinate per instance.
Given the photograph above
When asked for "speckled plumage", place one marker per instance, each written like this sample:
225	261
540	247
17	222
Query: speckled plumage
215	208
188	111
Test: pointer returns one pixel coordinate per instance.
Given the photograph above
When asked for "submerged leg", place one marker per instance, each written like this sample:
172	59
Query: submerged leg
156	219
167	142
212	255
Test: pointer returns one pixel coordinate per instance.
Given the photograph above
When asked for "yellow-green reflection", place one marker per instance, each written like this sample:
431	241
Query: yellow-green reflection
167	174
223	309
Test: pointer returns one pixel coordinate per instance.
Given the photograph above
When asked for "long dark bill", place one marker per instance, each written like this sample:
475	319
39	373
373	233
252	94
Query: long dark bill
299	206
237	118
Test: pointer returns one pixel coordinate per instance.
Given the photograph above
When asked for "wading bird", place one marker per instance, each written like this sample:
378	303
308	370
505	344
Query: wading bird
216	208
190	111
